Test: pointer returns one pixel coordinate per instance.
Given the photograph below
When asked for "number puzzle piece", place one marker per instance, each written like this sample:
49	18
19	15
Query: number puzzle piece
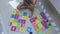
10	24
32	20
16	16
35	8
23	25
39	16
24	17
23	21
14	12
20	20
45	25
22	29
29	29
12	16
17	12
30	32
43	28
15	20
49	24
17	29
43	15
25	14
11	19
40	25
18	24
37	21
39	31
14	24
21	13
13	28
47	32
34	24
36	27
46	21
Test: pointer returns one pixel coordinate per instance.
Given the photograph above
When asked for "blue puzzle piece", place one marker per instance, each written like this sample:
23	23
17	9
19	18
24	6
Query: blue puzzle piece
20	21
16	16
43	15
45	25
25	14
30	33
29	29
12	15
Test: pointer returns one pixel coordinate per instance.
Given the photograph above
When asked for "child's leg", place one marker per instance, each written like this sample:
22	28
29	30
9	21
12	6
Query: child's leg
21	6
32	10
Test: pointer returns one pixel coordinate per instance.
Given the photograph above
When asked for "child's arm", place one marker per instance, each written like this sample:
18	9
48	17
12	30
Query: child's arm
33	2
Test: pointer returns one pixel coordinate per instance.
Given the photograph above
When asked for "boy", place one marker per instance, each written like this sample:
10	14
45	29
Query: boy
27	4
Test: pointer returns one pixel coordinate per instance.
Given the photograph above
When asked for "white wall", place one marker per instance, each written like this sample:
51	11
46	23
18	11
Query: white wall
56	4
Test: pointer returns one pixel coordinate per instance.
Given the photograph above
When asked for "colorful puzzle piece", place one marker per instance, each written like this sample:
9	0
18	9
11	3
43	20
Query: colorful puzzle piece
24	17
45	25
32	20
13	12
13	28
22	29
39	23
23	25
29	29
39	16
16	16
49	24
14	24
39	31
25	14
48	30
10	24
30	32
11	19
43	15
36	7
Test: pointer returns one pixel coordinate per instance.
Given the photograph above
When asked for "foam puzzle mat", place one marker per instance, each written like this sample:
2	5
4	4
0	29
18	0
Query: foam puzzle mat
40	22
17	21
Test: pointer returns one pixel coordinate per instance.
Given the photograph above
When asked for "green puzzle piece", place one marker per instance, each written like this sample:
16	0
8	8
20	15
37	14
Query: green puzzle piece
11	19
35	8
49	24
39	16
39	31
21	13
13	12
14	23
18	24
39	23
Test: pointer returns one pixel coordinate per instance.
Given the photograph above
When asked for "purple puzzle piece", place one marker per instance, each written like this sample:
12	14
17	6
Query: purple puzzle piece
16	16
43	15
45	25
32	20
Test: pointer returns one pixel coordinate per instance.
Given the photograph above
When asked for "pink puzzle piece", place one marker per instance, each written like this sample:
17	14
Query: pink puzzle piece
13	28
